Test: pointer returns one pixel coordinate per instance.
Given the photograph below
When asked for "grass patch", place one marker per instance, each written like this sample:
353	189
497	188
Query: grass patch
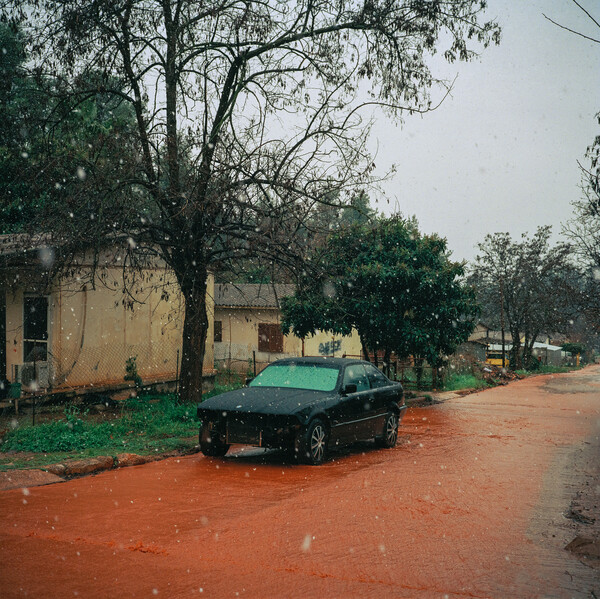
456	382
548	369
146	424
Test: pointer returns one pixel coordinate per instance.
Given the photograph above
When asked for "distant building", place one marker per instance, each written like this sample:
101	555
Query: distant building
475	346
544	352
248	332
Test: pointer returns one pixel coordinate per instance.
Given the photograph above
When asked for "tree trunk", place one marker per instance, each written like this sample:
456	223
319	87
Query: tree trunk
528	348
526	351
386	360
516	362
195	328
418	366
365	350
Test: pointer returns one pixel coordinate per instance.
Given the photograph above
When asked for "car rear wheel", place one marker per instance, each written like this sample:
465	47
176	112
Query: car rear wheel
211	443
389	434
314	443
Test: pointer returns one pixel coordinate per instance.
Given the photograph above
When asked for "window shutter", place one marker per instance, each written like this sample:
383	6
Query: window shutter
276	339
270	338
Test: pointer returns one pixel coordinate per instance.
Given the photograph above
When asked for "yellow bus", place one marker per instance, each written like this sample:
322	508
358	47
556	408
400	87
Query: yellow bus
494	357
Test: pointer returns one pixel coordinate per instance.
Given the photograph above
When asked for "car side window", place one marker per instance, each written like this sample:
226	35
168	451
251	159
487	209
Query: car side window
376	377
356	375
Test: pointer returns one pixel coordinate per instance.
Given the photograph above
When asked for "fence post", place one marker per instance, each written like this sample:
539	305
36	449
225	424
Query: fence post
177	375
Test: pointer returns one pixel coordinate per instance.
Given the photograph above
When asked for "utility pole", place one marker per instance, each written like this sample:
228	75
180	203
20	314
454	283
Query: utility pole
502	320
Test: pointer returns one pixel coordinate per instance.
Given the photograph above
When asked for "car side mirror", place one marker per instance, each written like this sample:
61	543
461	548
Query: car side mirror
249	380
349	388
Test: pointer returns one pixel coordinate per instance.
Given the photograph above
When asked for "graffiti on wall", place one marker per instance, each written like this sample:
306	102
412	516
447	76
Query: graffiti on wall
330	347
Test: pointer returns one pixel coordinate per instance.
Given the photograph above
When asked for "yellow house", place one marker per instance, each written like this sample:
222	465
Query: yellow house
248	334
74	334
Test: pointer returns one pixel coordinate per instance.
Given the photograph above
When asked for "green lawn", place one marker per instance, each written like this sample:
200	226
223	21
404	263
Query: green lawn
144	425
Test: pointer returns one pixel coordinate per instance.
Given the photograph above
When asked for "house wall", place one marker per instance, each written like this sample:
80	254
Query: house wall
471	350
479	332
93	332
239	345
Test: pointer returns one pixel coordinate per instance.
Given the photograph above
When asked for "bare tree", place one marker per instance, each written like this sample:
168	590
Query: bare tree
583	230
590	17
531	279
247	115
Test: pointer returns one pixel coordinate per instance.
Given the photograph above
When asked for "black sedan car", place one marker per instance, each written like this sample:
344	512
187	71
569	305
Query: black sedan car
306	405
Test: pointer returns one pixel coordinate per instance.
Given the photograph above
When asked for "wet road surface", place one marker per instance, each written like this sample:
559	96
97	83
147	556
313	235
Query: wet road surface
470	503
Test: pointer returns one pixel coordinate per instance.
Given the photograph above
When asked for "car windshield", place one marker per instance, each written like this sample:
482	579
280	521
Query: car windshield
298	376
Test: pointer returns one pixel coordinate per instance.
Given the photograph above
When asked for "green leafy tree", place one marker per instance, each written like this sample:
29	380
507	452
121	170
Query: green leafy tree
20	109
574	348
396	287
246	113
55	149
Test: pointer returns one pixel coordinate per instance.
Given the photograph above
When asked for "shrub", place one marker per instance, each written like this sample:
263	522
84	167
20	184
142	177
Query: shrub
132	373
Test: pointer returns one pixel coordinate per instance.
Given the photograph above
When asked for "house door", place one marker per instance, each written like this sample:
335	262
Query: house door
35	329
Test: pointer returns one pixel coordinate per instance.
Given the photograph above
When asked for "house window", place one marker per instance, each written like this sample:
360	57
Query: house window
35	329
270	338
218	331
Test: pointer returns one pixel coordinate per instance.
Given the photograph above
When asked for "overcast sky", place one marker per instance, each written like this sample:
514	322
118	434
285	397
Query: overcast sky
501	153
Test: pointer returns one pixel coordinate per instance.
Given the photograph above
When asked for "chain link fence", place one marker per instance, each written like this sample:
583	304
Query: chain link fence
101	370
106	365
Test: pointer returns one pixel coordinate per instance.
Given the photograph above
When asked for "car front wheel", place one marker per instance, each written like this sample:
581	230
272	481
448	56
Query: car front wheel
314	443
389	434
211	444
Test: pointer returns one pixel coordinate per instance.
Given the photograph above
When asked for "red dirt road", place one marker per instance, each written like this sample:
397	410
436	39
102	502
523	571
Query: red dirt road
470	503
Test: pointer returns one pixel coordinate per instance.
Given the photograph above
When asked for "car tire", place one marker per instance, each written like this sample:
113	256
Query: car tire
389	435
313	446
211	444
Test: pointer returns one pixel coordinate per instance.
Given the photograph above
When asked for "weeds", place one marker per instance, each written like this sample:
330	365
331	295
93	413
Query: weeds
145	424
131	372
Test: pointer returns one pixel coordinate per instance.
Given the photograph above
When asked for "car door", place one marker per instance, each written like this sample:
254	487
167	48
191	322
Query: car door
383	393
355	407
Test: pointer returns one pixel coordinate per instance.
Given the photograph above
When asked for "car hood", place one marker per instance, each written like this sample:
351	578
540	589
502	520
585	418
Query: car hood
263	400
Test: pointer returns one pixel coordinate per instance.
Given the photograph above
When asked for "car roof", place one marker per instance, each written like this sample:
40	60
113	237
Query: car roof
320	360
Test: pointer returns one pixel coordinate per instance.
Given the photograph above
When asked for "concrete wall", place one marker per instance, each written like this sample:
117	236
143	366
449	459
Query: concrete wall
240	340
92	332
